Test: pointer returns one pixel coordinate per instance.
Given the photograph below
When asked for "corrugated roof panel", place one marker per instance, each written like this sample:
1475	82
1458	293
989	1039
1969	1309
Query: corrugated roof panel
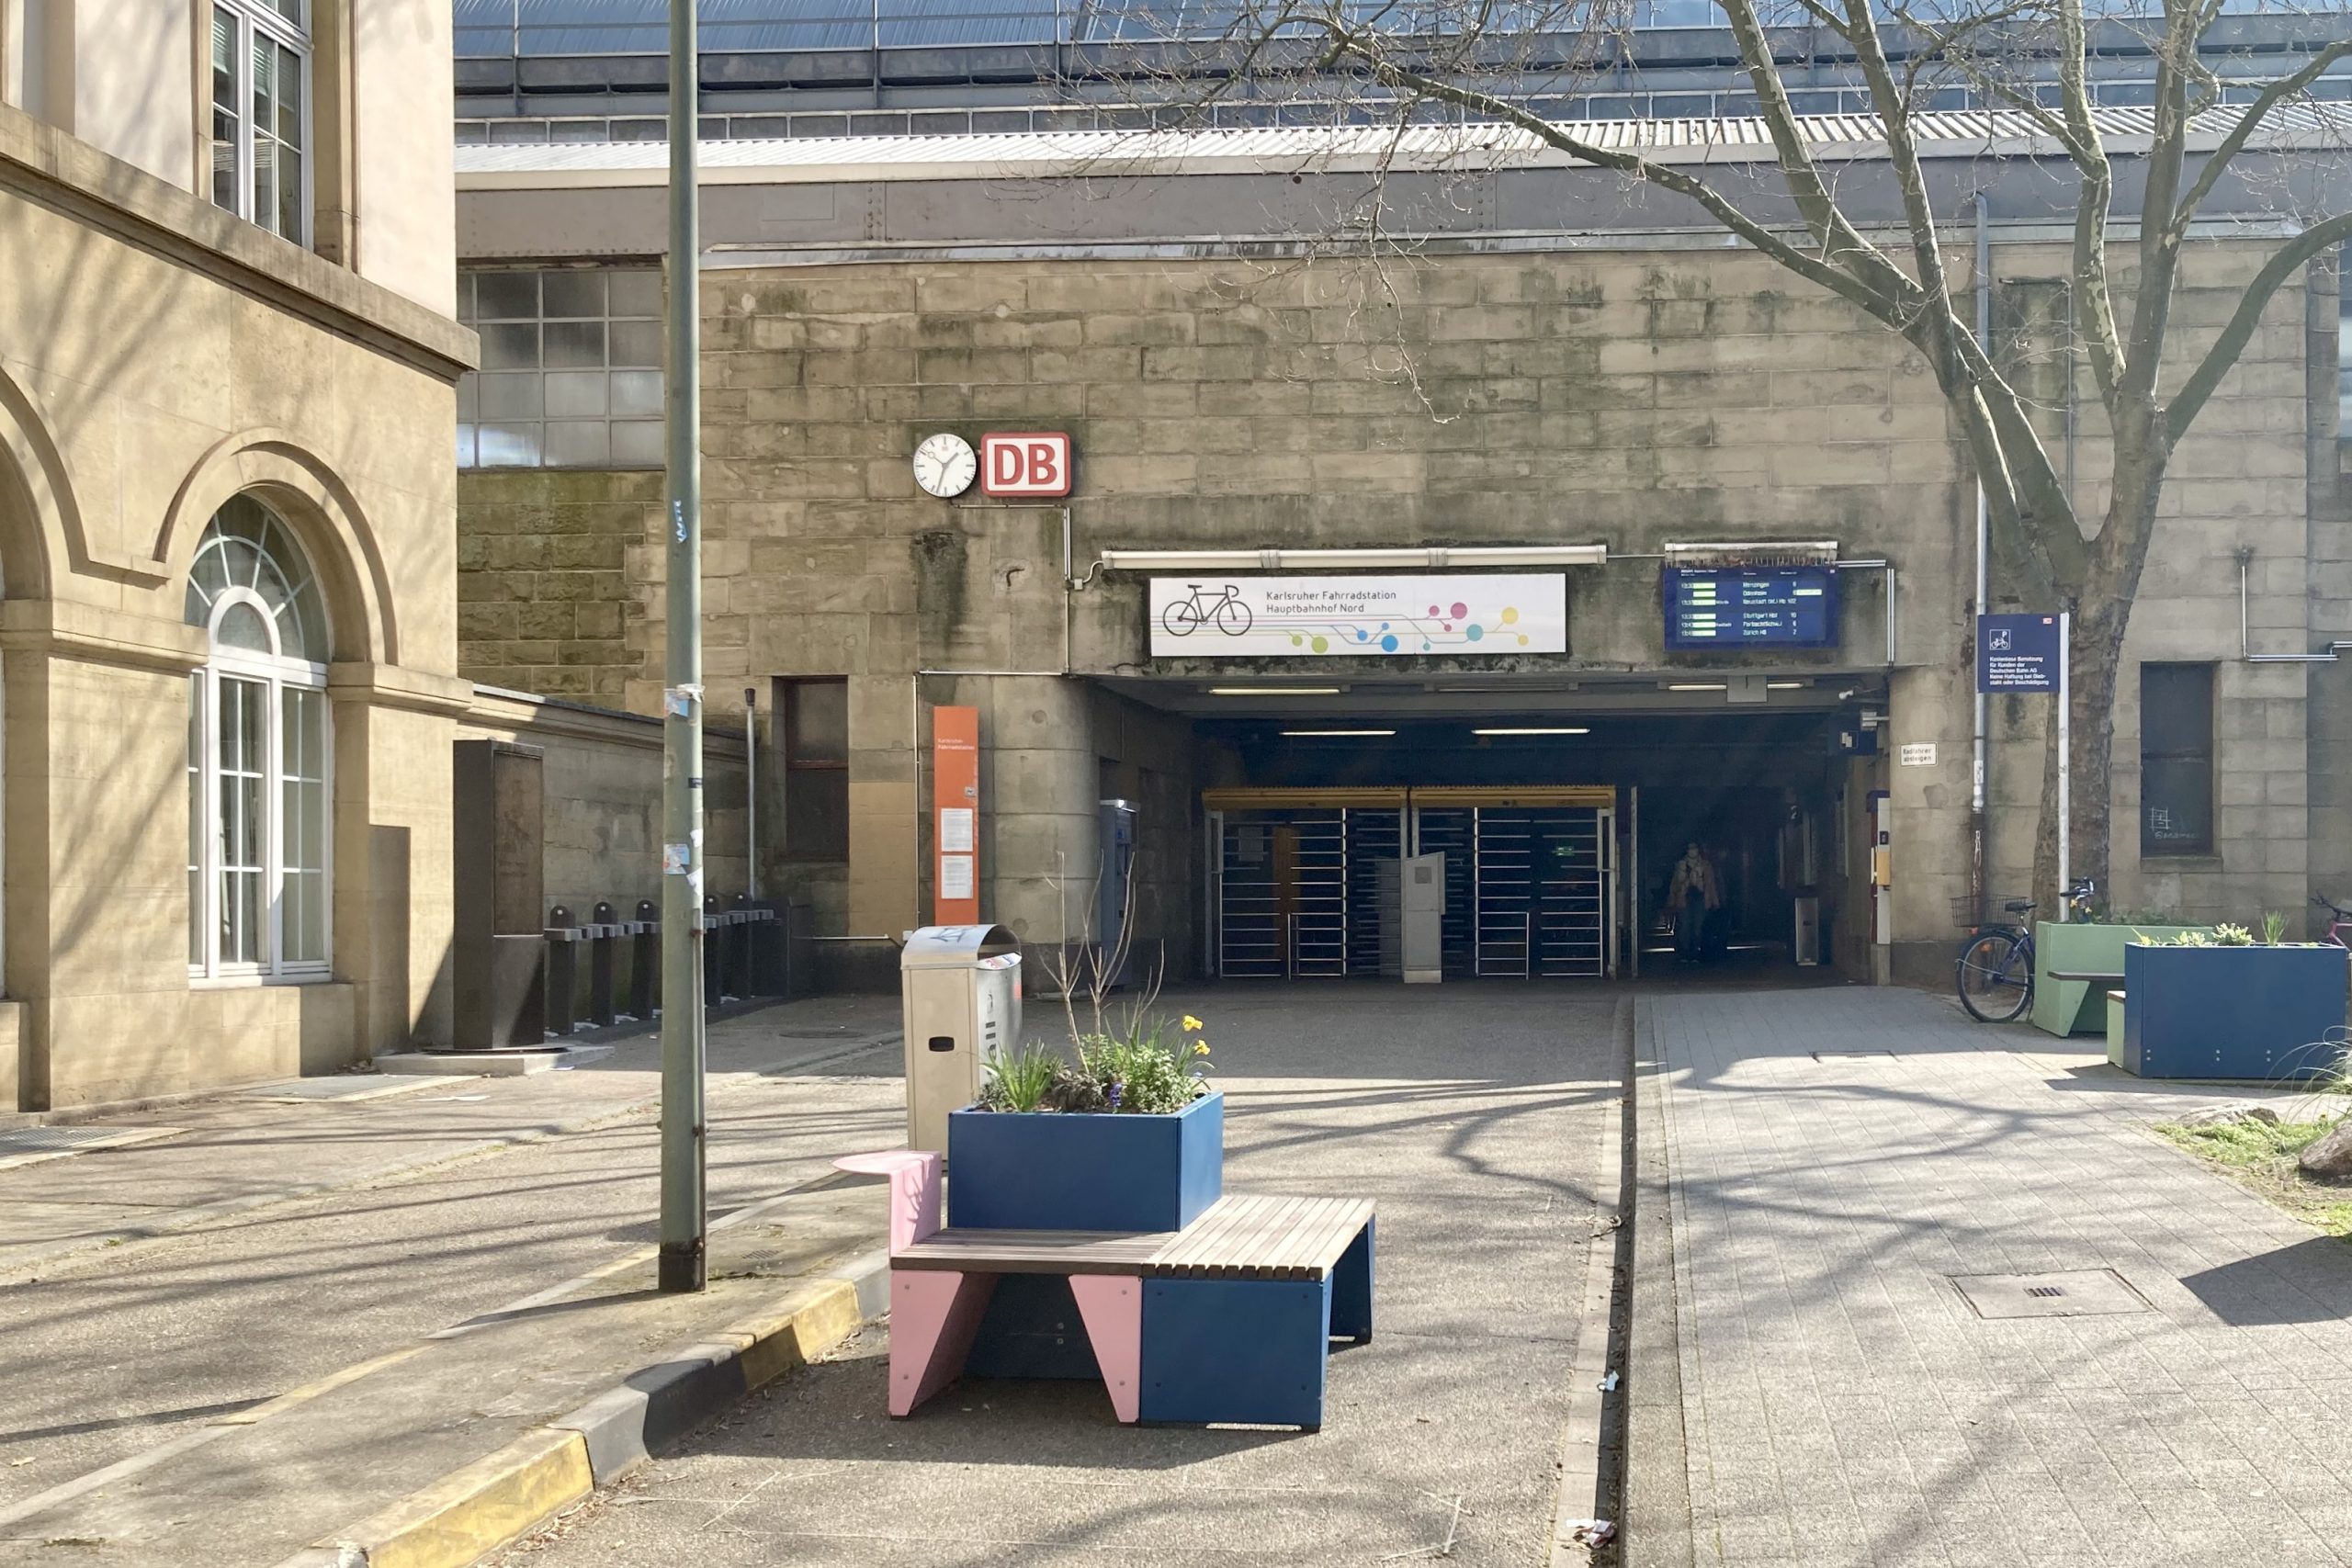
1281	149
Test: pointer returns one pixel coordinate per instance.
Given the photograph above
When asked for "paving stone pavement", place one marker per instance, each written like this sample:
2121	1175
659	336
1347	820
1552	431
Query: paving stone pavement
1843	1405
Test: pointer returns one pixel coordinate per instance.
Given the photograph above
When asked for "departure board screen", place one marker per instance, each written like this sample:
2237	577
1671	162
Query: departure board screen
1750	606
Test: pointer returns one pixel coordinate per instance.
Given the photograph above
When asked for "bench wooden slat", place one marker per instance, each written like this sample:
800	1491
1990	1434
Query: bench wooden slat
1242	1235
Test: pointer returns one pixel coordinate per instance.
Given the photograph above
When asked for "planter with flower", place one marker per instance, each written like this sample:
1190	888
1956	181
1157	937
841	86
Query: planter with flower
2225	1005
1127	1137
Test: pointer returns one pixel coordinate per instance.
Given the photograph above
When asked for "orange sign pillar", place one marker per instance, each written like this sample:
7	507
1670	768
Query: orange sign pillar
955	815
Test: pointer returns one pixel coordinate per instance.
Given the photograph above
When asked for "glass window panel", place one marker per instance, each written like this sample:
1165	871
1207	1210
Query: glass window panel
224	109
507	296
637	392
294	11
636	292
577	442
2176	709
575	394
242	625
466	297
514	346
465	446
196	943
469	396
816	814
2176	806
638	343
264	181
816	723
290	218
507	447
289	96
575	344
638	442
511	396
578	293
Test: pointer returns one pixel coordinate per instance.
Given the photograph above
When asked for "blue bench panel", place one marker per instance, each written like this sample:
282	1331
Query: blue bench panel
1238	1351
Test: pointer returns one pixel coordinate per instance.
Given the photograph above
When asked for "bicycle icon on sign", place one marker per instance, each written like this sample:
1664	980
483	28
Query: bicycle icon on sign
1226	611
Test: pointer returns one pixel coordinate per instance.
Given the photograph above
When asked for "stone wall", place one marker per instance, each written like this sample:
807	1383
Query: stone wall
542	600
1634	397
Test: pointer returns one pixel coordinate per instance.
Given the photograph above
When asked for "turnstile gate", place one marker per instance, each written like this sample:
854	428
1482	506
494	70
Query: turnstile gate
1530	879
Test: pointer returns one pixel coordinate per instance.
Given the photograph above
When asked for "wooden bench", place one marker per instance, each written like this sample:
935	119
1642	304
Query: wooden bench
1230	1319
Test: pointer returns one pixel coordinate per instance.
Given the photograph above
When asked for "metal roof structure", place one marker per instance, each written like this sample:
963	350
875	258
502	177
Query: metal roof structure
1338	149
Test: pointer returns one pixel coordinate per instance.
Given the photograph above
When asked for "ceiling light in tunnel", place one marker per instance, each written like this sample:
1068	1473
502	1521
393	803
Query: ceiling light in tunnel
1533	731
1273	691
1334	734
1785	686
1696	686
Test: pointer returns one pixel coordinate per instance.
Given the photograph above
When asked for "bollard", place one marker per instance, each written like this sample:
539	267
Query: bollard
604	925
763	941
645	960
563	970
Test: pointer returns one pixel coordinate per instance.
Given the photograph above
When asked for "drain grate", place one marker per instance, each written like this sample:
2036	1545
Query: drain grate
2081	1292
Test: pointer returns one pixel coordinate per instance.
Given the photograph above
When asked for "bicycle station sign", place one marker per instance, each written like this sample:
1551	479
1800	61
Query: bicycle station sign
2019	653
1452	614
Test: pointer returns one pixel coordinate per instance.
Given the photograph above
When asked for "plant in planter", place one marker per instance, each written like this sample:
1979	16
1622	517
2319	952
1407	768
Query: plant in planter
1130	1137
2219	1005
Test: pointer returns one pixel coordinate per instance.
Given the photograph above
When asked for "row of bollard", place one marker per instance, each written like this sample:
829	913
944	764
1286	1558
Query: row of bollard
744	955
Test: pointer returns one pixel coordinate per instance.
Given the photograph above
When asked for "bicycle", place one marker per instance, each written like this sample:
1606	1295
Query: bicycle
1994	972
2338	917
1226	610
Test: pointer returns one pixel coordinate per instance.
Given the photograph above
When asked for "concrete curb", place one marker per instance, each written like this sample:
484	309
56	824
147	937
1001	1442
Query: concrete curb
1583	1517
1658	1533
478	1508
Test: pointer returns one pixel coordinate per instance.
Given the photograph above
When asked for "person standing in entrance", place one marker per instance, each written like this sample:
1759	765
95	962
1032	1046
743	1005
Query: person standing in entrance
1693	892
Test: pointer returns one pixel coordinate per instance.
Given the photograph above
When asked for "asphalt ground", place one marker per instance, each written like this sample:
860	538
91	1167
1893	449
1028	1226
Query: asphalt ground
1472	1115
482	1192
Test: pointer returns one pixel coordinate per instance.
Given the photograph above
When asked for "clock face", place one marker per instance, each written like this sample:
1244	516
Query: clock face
945	465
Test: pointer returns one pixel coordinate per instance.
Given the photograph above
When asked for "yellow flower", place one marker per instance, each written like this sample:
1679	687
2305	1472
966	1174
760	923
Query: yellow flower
1200	1047
1192	1022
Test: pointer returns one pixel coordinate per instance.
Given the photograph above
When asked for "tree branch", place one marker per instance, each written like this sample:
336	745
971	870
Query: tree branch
2217	162
2296	254
2101	345
1892	310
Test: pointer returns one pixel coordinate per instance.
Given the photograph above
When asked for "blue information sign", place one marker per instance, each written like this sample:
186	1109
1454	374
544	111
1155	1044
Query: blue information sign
1750	606
2017	653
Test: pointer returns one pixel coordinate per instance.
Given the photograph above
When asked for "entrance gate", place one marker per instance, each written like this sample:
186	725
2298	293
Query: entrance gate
1531	878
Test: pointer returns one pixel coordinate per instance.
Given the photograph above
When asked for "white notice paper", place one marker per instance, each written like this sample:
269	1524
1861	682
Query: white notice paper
955	876
1920	754
955	828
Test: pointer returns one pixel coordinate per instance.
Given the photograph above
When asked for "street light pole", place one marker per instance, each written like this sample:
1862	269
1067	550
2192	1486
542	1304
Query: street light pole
683	1201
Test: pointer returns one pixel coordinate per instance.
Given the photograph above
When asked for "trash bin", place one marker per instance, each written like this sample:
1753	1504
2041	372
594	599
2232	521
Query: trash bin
961	991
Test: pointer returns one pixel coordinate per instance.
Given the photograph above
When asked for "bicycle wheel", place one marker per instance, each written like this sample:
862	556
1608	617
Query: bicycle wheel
1996	976
1233	618
1183	619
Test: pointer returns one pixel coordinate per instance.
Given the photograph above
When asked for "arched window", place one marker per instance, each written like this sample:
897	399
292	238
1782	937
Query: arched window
257	775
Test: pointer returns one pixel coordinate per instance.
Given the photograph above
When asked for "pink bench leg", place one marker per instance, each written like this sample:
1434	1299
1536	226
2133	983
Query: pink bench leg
934	1314
1111	1306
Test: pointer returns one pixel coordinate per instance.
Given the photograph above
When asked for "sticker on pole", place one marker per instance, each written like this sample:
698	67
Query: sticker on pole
677	859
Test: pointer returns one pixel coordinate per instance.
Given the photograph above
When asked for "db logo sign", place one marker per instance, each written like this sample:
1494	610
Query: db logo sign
1026	463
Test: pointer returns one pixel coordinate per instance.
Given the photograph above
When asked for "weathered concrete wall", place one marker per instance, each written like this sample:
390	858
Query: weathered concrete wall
602	779
1636	398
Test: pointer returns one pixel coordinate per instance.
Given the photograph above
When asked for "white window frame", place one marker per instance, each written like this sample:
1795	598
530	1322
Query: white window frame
276	673
259	17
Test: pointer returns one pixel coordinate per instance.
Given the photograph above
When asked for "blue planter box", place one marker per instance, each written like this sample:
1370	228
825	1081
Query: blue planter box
2233	1012
1051	1170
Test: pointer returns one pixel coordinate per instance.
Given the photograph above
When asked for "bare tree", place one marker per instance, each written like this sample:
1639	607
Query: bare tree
1391	62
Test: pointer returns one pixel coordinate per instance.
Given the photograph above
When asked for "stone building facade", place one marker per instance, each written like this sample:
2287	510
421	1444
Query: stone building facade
1631	383
227	361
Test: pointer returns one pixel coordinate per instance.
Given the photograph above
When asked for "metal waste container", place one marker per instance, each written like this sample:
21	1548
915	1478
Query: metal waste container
1807	943
961	991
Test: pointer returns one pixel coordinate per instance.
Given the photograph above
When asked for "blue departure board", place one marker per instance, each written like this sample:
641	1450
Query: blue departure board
1750	606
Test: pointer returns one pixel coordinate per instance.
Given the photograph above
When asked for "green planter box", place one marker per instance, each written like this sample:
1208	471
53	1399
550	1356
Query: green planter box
2079	1007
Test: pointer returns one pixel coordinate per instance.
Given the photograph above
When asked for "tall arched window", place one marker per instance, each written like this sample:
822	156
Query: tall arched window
257	776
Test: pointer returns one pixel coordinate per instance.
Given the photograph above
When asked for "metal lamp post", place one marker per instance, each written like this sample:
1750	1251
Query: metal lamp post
684	1204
